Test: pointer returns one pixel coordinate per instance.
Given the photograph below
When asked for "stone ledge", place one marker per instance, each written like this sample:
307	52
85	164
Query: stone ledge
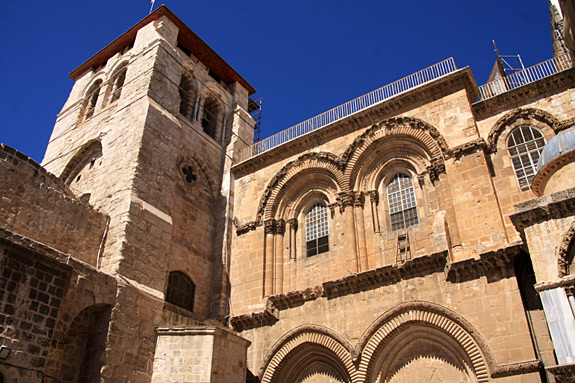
266	317
516	368
489	261
372	279
537	210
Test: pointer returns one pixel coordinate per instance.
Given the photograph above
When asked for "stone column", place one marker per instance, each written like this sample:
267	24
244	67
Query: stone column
279	256
200	109
269	230
292	225
345	201
359	211
374	201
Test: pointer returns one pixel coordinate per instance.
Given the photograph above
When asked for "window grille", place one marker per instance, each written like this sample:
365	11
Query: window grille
317	230
180	290
525	144
402	202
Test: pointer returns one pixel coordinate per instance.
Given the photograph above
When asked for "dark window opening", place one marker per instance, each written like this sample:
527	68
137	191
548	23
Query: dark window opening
210	116
180	290
186	95
93	95
118	84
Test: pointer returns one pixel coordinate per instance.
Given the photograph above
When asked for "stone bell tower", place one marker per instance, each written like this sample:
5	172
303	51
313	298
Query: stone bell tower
148	136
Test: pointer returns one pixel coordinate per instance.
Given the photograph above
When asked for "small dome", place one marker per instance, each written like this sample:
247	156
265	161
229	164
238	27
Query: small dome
560	144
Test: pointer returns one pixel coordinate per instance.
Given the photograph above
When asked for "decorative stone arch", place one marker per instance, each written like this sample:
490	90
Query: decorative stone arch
446	328
423	140
326	165
294	352
521	116
87	152
566	250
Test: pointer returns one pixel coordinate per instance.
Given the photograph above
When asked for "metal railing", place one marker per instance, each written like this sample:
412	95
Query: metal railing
525	76
423	76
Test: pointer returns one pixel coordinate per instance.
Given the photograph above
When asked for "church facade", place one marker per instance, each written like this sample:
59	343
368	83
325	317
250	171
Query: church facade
423	232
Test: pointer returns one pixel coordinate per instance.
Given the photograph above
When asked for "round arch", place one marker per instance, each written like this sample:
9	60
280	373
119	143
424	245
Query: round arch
522	116
288	181
308	349
419	140
449	337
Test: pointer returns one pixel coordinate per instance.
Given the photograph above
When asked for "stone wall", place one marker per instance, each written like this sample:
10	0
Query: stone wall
198	354
39	206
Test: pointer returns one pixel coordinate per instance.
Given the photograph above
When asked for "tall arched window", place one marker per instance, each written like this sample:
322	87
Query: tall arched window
402	202
210	116
118	84
181	290
187	95
316	230
525	144
92	98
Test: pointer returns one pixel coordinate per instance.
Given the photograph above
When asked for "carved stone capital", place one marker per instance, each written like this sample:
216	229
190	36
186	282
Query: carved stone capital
270	226
345	199
436	168
292	222
280	226
421	179
374	196
359	199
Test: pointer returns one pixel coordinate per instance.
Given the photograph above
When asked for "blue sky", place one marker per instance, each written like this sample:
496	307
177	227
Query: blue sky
303	57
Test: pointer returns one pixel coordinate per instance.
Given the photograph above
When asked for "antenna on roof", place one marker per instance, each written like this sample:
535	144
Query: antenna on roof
509	63
152	7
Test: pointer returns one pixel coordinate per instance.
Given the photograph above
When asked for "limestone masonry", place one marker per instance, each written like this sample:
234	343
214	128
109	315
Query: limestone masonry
426	237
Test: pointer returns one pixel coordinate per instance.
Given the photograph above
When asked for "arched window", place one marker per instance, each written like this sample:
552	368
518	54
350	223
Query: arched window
402	202
210	116
92	98
525	144
118	83
316	230
181	290
187	95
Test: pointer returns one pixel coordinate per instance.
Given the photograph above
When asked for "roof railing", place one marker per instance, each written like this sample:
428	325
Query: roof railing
525	76
351	107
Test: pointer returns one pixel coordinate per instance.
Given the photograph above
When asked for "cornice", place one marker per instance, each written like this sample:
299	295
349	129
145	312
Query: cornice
383	276
537	210
460	79
523	94
490	261
266	317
